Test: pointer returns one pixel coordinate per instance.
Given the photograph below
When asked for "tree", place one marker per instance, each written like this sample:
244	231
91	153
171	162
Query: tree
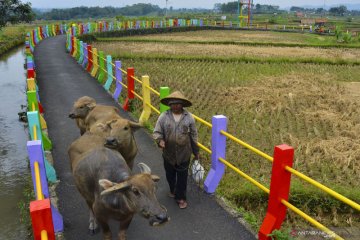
14	11
341	10
319	10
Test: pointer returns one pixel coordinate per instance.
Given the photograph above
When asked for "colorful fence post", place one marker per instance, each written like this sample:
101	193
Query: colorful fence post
86	56
41	218
31	86
74	47
131	87
78	49
110	73
90	59
118	77
35	152
218	148
30	73
279	189
32	100
33	119
145	114
71	45
95	63
81	52
101	75
164	92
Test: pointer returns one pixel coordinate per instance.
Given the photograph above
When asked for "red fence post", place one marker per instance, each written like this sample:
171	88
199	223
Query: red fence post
72	45
279	189
41	218
90	59
30	73
131	87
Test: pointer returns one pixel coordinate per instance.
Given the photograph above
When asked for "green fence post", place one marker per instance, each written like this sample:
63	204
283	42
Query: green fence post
101	75
164	92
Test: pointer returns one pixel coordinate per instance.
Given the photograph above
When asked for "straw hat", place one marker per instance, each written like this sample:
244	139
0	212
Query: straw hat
176	97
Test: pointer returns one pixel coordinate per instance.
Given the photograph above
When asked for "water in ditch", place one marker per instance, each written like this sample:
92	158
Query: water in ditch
14	170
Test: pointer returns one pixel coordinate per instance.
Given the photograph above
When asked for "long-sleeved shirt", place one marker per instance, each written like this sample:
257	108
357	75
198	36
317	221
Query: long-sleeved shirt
180	137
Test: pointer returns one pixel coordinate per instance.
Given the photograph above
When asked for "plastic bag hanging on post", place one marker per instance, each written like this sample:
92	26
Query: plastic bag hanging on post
197	171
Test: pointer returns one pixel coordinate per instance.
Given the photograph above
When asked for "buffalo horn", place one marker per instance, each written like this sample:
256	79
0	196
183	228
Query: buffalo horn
144	168
116	187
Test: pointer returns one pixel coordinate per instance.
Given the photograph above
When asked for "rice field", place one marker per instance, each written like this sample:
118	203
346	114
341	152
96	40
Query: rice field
312	107
236	36
169	49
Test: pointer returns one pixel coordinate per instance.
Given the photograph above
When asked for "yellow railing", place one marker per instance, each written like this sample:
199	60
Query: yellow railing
44	235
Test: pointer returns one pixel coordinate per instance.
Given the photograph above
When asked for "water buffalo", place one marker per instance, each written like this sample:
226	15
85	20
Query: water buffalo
80	110
87	112
112	192
116	134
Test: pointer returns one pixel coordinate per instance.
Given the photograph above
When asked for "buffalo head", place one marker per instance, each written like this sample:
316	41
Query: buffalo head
137	193
120	133
82	107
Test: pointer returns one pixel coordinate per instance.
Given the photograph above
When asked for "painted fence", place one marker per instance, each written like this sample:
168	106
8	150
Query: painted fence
46	220
105	71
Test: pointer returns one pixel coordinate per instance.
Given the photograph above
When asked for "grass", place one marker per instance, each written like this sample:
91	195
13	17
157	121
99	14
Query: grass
12	36
24	206
312	106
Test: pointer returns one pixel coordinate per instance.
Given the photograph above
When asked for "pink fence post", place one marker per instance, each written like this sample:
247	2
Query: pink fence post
40	212
279	189
131	87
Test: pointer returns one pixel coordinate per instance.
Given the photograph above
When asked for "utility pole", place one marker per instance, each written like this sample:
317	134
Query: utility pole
239	12
166	8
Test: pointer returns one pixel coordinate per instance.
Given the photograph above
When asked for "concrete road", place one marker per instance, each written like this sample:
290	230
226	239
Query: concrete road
61	81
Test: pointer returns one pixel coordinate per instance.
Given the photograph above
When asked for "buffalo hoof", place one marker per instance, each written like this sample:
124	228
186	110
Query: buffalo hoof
92	232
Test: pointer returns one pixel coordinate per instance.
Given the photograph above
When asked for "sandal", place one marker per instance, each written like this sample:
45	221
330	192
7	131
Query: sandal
171	195
182	204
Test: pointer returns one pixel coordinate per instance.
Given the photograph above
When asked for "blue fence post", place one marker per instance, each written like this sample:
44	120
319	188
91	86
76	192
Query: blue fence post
118	76
110	73
36	155
29	63
218	148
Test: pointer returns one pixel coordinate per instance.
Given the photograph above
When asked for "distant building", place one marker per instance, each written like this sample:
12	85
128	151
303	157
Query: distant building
307	21
299	14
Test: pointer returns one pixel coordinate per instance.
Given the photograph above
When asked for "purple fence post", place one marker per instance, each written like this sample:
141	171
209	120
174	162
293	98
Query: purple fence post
218	148
118	76
86	55
36	155
57	219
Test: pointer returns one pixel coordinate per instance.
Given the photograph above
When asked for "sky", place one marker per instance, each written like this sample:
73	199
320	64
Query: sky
209	4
